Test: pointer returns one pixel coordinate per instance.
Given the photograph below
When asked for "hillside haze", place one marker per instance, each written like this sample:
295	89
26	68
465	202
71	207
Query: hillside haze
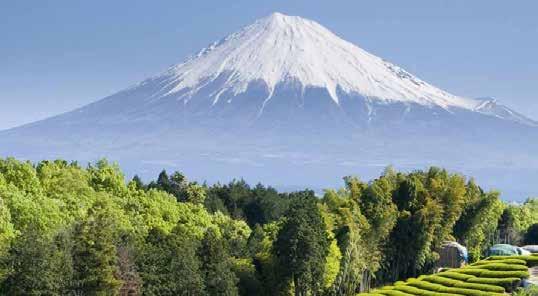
285	101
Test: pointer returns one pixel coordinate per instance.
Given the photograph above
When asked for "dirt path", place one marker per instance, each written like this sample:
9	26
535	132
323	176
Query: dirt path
533	279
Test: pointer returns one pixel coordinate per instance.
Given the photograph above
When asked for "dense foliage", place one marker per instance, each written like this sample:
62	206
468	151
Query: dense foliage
70	230
519	223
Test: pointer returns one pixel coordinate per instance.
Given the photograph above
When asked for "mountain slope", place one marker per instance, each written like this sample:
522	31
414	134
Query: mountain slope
284	95
281	48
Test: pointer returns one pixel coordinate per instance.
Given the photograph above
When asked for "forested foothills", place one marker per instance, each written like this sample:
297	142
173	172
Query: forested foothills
67	229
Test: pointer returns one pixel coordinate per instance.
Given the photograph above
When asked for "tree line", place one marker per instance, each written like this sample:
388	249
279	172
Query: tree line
72	230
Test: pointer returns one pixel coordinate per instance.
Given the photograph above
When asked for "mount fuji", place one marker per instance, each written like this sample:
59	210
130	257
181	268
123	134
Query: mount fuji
285	101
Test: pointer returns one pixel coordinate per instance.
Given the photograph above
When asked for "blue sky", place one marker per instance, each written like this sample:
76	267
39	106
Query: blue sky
59	55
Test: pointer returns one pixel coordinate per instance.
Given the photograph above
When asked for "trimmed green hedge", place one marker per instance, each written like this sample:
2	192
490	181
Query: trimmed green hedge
506	261
510	284
480	287
469	271
450	290
499	267
494	274
392	293
491	277
455	275
443	280
531	260
462	284
422	292
505	274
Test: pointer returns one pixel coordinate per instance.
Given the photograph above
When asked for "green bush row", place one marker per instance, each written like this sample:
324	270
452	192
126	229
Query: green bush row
500	267
392	293
450	290
423	292
462	284
505	274
480	287
506	261
531	260
469	271
443	280
493	274
509	284
455	275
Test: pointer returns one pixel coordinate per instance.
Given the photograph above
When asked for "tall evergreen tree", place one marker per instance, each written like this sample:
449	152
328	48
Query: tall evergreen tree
163	182
137	182
169	264
94	253
507	230
217	267
39	265
302	245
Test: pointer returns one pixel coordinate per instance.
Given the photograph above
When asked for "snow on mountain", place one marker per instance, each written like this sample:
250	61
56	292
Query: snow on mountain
491	107
280	48
283	71
285	101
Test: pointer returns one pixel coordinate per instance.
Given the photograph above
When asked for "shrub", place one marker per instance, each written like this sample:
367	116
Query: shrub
471	271
499	267
480	287
393	293
450	290
489	277
531	260
411	279
455	275
442	280
505	274
461	284
506	261
493	273
507	283
417	291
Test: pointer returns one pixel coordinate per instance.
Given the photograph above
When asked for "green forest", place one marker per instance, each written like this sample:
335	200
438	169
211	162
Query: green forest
67	229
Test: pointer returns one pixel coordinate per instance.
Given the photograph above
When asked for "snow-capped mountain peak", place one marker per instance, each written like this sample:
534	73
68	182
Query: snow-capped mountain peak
286	95
281	48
